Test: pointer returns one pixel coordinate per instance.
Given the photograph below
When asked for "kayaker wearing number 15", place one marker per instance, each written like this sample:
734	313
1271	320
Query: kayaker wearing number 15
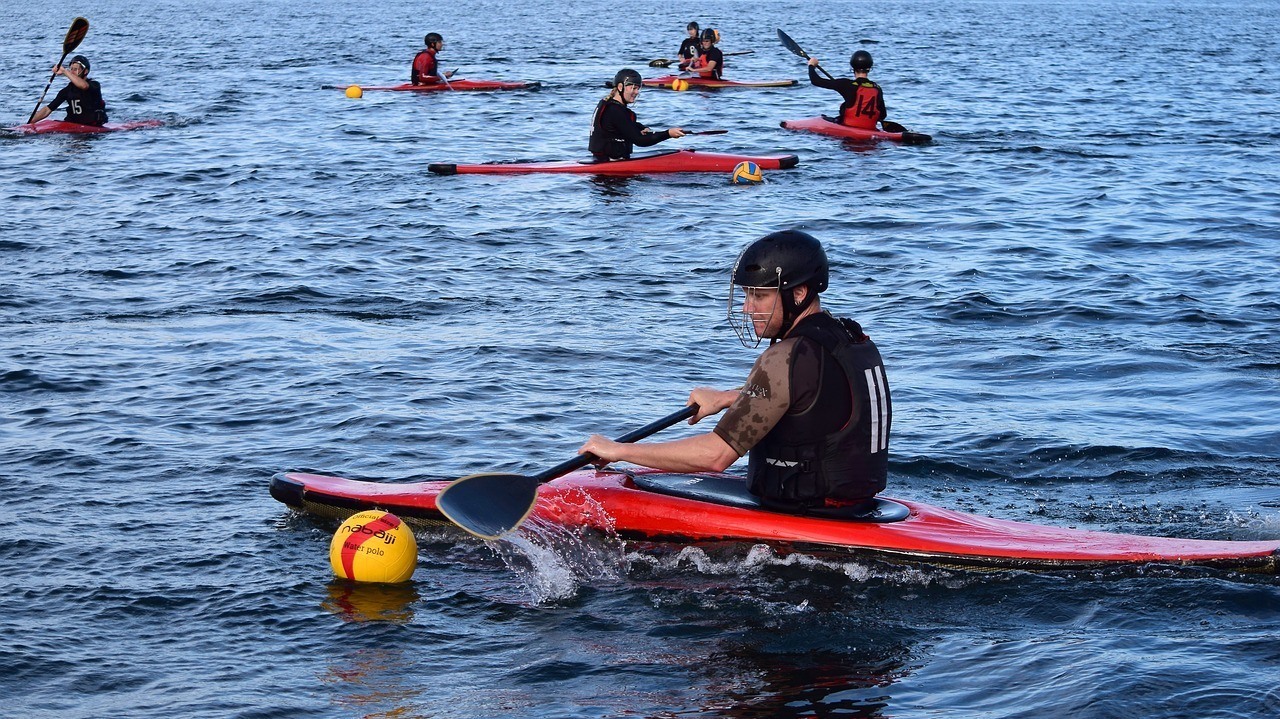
814	413
614	129
425	70
82	95
863	104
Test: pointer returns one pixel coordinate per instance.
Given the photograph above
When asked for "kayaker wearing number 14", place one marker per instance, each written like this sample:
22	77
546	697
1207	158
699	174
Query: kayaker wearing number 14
614	129
814	413
425	70
82	95
863	104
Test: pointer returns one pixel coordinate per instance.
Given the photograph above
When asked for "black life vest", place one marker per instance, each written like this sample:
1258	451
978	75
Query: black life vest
801	462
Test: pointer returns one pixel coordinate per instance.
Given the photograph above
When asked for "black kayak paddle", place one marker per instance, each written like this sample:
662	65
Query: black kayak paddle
75	34
795	49
664	62
490	505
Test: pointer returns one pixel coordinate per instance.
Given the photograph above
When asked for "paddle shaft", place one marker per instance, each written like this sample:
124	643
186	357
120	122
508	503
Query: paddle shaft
583	460
75	34
46	89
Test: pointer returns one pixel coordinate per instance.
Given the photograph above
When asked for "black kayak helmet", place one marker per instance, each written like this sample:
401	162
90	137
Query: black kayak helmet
691	26
432	38
627	76
710	35
861	60
82	60
783	261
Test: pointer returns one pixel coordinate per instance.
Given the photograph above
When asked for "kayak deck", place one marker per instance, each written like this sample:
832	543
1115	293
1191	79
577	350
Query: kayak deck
656	162
455	86
708	83
827	126
925	533
47	126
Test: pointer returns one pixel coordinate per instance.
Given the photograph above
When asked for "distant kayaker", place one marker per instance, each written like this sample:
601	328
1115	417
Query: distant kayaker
425	70
690	47
863	104
82	95
614	129
710	62
814	412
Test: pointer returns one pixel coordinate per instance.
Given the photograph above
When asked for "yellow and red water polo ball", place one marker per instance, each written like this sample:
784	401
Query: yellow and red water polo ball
374	546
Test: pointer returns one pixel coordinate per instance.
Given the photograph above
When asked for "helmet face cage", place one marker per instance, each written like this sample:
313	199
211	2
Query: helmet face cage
743	322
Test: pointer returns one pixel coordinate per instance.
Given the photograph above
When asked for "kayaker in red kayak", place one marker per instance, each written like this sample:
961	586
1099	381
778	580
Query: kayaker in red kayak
863	104
814	413
614	130
82	95
690	47
425	70
710	62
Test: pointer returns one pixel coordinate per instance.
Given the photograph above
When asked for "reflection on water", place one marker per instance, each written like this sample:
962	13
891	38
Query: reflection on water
364	602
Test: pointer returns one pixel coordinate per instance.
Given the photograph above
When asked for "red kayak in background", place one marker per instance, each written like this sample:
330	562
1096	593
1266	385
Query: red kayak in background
655	162
55	126
827	126
658	506
705	82
455	86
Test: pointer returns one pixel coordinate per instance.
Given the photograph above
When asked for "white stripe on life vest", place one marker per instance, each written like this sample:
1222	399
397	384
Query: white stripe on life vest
873	392
884	407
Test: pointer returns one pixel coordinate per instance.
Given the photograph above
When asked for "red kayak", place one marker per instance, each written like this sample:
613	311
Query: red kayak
827	126
654	162
49	126
456	86
695	81
657	506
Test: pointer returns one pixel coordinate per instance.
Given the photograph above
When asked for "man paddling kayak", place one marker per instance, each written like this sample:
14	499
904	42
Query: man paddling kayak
690	47
82	95
710	62
814	413
863	104
425	69
614	129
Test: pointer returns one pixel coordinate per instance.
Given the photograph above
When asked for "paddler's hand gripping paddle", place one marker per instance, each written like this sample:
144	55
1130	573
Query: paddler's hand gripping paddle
490	505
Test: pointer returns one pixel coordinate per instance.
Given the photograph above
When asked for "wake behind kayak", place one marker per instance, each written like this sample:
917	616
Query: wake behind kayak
666	161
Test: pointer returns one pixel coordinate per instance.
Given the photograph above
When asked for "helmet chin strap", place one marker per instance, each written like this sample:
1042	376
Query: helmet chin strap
791	311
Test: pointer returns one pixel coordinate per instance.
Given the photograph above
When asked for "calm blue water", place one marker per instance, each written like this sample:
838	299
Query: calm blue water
1074	288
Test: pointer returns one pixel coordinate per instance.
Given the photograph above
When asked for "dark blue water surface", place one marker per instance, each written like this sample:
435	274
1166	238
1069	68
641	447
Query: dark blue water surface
1075	289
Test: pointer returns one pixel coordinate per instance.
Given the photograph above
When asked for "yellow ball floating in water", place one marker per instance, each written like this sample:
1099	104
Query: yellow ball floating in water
373	546
747	173
354	91
679	85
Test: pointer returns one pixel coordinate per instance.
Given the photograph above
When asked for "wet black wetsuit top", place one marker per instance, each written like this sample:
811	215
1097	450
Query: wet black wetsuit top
83	106
690	48
615	131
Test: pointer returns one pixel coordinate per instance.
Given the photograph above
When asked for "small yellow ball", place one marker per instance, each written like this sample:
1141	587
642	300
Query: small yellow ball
679	85
373	546
354	91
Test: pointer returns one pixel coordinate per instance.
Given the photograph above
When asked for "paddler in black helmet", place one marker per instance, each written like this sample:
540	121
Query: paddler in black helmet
82	95
709	63
614	129
863	104
814	412
690	47
425	69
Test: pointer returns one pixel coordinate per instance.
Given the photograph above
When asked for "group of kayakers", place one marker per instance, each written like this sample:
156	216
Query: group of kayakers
615	130
814	412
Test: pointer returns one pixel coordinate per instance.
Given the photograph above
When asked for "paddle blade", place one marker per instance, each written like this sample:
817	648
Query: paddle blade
660	62
791	45
75	35
708	132
488	505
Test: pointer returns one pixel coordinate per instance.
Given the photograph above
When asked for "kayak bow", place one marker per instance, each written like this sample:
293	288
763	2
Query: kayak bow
656	506
655	162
